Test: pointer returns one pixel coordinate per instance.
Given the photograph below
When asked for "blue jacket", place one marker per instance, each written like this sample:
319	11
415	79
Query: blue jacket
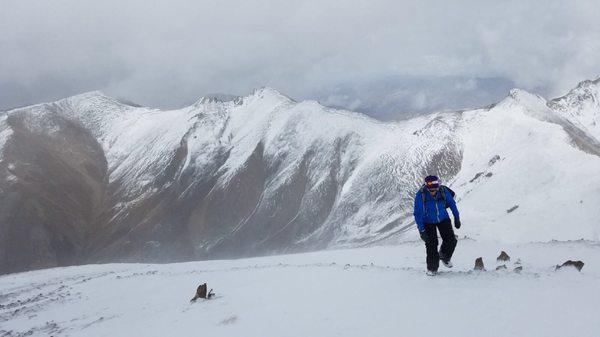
435	211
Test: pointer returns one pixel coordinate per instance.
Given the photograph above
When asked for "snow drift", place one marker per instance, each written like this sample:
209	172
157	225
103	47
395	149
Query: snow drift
375	291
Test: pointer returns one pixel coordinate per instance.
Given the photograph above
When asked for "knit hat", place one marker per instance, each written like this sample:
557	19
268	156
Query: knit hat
432	182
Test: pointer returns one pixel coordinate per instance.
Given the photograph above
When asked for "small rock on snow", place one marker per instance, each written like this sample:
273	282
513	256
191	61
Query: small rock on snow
503	257
577	264
479	264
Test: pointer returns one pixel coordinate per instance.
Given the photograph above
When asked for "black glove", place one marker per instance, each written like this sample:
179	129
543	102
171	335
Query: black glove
424	236
457	223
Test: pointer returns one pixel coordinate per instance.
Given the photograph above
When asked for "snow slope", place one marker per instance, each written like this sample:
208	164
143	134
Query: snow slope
582	106
514	157
378	291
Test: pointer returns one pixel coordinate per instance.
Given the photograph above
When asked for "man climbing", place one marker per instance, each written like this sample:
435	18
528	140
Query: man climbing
430	214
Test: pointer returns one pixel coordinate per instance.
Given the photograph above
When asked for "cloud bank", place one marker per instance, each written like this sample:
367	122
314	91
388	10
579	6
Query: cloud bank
169	53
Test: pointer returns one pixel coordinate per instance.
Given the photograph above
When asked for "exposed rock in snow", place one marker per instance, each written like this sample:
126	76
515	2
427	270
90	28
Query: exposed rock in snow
479	264
569	263
503	257
512	209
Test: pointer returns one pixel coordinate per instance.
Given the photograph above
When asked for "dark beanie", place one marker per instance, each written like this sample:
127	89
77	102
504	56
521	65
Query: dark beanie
432	182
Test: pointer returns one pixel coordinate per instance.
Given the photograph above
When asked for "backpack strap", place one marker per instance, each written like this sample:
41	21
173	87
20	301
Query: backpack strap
443	191
423	199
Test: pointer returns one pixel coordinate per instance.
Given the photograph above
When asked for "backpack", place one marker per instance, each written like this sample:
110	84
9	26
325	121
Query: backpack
442	190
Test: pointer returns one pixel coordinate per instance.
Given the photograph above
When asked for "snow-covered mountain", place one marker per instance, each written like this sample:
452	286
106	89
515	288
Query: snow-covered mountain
582	106
89	178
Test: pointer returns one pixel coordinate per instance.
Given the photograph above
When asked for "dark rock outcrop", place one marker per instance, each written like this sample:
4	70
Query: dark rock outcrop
512	209
479	264
570	263
201	292
503	257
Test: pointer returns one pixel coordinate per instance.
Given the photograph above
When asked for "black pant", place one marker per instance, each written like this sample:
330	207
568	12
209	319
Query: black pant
448	243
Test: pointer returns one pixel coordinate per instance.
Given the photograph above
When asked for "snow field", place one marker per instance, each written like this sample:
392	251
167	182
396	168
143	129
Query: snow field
378	291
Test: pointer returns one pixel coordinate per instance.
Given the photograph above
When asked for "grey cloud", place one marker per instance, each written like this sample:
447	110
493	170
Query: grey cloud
404	97
168	53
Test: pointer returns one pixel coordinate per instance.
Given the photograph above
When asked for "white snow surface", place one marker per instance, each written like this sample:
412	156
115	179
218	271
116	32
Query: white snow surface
5	133
377	291
538	170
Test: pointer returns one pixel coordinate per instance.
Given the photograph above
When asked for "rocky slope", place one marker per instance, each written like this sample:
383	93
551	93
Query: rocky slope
89	178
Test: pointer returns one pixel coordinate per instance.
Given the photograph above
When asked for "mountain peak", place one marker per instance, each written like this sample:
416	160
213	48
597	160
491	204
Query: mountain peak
269	93
95	94
585	93
588	83
263	93
523	95
581	105
217	98
520	97
95	98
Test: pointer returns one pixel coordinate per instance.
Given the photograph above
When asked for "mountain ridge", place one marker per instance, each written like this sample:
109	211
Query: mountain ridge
264	174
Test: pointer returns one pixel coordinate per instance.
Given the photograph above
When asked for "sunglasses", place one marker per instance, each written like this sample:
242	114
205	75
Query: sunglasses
430	184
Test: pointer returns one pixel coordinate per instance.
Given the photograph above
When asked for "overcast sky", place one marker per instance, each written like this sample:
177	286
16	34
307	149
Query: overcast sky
169	53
